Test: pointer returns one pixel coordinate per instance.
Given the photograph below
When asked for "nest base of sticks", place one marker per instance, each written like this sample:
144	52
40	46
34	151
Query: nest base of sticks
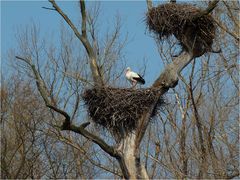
119	109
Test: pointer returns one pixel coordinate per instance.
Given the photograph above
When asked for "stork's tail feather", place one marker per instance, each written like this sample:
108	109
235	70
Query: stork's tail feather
142	80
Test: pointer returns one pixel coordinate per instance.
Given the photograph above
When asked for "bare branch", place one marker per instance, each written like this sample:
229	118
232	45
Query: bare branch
143	123
81	130
199	127
149	4
235	36
78	77
53	9
40	83
67	125
84	19
43	90
67	117
98	80
154	164
231	15
65	17
169	77
24	60
208	10
76	106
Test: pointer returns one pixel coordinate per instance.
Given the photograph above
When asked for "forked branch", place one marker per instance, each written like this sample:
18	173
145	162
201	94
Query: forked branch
97	78
167	79
208	10
81	130
67	122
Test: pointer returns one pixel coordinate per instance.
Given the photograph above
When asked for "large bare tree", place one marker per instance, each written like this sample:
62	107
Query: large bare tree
175	153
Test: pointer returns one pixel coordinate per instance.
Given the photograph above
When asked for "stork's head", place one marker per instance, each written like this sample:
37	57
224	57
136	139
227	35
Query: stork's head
128	69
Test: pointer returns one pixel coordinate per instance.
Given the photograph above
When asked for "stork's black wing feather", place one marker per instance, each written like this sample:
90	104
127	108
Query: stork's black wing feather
139	79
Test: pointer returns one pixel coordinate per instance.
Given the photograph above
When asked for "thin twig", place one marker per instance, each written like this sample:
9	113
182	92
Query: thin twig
208	10
53	9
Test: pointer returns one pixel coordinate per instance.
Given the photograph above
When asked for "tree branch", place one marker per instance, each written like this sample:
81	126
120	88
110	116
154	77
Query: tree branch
149	4
235	36
143	123
53	9
40	83
43	90
65	17
67	117
199	127
84	19
67	124
83	38
81	130
208	10
169	77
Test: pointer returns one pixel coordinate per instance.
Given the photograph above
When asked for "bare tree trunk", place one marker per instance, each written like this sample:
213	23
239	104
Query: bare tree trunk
131	158
129	146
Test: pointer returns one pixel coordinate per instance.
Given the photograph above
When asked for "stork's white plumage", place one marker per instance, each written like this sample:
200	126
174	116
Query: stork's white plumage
133	77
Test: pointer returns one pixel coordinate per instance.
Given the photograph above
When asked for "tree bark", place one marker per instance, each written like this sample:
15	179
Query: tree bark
130	156
129	146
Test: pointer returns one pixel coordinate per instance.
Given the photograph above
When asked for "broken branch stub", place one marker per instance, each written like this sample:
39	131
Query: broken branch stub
169	77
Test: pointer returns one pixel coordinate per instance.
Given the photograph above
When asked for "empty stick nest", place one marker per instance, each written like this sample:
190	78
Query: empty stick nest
180	20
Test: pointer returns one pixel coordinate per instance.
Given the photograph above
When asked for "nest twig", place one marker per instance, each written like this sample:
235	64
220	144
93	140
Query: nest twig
195	34
119	109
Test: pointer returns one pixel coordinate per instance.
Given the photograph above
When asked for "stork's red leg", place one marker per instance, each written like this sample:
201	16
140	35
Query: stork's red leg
134	84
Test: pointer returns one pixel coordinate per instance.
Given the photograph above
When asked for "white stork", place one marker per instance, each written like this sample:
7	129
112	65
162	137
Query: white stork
133	77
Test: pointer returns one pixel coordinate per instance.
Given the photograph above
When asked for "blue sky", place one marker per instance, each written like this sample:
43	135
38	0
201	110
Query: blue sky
18	14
